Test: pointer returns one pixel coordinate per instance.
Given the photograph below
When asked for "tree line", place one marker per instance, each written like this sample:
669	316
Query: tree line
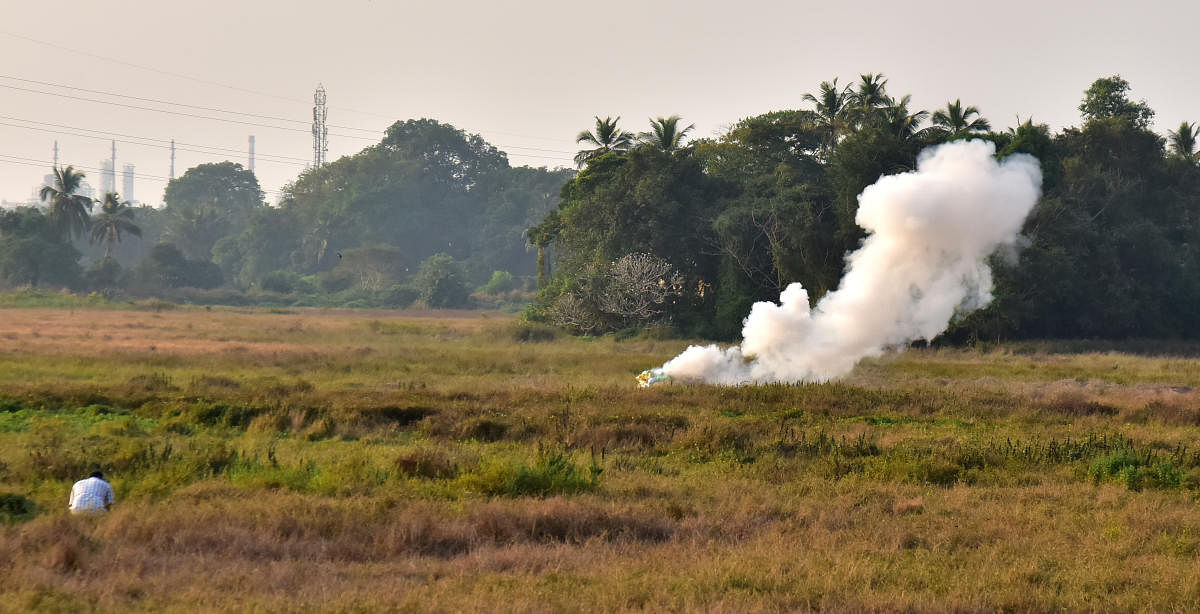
654	228
430	213
1110	250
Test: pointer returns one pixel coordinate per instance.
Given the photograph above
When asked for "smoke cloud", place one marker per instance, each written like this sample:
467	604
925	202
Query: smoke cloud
923	262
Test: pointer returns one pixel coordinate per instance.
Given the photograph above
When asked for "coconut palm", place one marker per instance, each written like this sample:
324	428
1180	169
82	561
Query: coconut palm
68	210
607	137
832	106
665	133
871	92
903	124
115	217
956	120
1183	141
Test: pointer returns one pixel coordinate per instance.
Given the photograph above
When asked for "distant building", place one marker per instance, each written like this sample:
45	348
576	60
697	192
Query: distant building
108	178
127	183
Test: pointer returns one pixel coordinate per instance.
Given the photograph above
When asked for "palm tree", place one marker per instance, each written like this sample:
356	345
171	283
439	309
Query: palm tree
832	107
115	217
1183	141
665	133
68	210
606	138
956	120
903	124
872	92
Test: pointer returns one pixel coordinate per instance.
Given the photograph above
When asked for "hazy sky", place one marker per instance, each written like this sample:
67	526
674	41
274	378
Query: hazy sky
530	75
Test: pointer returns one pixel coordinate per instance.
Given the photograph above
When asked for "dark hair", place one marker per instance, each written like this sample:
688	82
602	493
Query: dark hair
97	474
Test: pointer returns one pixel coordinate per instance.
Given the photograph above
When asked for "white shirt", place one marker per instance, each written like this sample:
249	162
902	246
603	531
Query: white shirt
90	495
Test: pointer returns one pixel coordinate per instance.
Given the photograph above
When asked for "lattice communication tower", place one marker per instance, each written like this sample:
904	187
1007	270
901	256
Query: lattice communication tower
319	129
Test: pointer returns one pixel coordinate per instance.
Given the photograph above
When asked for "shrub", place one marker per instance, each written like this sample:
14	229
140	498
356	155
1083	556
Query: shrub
332	282
441	282
400	296
284	282
16	508
501	282
524	331
103	274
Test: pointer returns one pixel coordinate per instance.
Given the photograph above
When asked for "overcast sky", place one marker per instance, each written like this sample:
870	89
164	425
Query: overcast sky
530	75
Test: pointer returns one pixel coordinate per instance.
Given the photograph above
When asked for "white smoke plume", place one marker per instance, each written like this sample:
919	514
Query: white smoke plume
923	262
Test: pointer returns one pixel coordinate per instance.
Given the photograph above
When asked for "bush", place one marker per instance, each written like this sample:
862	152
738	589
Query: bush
16	508
166	267
400	296
284	282
524	331
441	282
501	282
103	274
332	282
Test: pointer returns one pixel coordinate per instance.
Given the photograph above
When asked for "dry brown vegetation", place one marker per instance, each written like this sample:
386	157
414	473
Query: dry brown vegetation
364	461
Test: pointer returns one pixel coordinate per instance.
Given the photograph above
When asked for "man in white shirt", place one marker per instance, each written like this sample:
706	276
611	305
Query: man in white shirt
91	496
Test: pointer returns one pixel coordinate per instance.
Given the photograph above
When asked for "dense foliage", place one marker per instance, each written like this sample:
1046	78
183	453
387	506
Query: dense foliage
433	215
1110	250
357	231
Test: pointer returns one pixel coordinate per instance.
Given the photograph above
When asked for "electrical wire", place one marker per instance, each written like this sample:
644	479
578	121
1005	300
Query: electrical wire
43	163
230	87
249	123
179	146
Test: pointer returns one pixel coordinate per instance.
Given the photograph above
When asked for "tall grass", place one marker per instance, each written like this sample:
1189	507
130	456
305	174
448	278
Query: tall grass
471	463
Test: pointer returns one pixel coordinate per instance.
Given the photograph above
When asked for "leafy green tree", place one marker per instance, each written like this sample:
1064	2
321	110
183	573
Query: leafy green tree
501	282
68	210
780	225
427	188
448	156
266	244
167	267
606	137
34	252
645	201
956	120
115	217
1183	142
208	202
1107	98
441	282
665	133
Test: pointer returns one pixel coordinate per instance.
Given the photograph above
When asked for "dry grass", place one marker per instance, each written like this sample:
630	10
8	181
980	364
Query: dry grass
343	460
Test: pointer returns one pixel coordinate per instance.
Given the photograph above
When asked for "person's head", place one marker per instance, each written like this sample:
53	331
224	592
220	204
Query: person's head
97	474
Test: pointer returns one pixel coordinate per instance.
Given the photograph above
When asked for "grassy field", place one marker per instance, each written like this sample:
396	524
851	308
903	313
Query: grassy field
366	461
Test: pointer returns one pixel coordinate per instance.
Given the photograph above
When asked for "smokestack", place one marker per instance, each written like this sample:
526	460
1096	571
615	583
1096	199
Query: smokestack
251	167
925	260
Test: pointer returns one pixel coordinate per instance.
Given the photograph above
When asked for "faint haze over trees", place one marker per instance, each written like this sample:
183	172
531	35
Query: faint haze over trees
656	228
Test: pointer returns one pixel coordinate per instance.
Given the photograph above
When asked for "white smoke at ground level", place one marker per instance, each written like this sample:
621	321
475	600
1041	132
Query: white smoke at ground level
930	233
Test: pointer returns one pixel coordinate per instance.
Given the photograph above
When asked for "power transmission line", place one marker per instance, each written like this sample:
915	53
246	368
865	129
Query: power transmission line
249	123
231	87
170	112
106	135
42	163
177	104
